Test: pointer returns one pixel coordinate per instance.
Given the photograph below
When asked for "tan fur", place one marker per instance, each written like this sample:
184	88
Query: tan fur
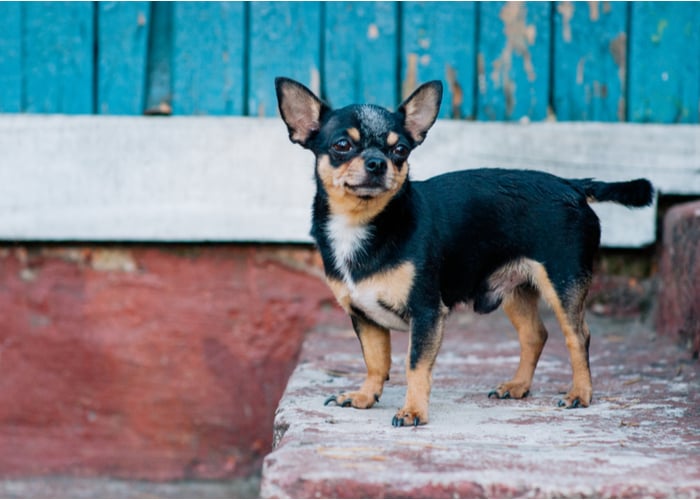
376	349
391	287
392	139
521	308
343	201
354	134
419	379
576	335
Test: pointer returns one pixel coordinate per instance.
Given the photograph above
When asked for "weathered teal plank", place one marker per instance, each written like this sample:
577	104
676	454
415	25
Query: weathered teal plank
122	40
159	65
208	58
438	43
590	54
10	57
360	53
58	57
284	41
513	60
664	62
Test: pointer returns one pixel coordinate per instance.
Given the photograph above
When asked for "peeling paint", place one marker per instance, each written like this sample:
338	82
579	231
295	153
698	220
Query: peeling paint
315	80
519	37
566	11
660	29
618	50
410	82
594	11
456	91
372	32
113	260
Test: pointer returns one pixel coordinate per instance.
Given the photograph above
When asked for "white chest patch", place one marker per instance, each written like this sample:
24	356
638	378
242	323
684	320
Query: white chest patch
347	242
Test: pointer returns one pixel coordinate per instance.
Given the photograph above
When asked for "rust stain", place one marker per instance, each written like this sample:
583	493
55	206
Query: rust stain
372	32
410	82
618	50
456	91
594	11
519	37
566	11
607	8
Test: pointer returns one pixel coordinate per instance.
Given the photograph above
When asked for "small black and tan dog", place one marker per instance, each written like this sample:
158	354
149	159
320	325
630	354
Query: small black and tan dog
398	254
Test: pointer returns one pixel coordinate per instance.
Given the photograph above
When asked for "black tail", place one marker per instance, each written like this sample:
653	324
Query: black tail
636	193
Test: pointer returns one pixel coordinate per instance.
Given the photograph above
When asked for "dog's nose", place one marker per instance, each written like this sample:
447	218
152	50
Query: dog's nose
376	166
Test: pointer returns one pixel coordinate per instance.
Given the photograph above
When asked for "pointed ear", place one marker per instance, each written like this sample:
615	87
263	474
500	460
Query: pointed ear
421	109
301	110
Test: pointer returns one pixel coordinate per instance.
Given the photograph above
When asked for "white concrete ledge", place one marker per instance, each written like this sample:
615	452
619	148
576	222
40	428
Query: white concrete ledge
109	178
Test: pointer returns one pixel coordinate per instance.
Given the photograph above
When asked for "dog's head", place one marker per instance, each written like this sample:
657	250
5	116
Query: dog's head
361	150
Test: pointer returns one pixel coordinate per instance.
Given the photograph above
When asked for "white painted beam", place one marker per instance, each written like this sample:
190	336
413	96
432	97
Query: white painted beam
112	178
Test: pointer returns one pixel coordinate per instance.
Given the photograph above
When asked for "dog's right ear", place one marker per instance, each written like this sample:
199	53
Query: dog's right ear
301	110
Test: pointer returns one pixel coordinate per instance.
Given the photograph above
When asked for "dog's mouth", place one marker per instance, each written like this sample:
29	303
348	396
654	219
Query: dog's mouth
366	190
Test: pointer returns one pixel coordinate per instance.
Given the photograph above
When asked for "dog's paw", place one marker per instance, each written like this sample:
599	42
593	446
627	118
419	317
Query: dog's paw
512	389
577	398
357	399
409	417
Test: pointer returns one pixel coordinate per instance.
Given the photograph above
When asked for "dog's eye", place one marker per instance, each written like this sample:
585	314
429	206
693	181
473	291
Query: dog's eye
342	146
400	151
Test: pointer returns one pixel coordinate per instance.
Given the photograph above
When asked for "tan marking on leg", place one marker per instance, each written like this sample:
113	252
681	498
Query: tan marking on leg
392	138
574	335
341	292
521	308
354	134
376	350
419	379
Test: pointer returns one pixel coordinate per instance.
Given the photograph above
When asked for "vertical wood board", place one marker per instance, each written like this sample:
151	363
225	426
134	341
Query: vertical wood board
513	60
122	40
10	57
360	53
664	62
58	57
284	41
159	63
208	58
439	43
590	61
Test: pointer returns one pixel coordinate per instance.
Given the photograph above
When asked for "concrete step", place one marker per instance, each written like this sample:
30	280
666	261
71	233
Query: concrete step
639	438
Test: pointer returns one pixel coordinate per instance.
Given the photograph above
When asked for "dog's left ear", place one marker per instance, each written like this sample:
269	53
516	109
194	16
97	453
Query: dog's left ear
421	109
301	110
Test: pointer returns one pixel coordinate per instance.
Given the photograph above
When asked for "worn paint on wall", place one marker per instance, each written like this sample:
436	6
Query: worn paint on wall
590	47
514	59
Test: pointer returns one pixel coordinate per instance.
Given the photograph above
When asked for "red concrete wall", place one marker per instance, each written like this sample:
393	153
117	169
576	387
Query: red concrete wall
148	362
679	271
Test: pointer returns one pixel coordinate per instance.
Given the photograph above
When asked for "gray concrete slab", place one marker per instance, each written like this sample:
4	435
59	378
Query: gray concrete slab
639	438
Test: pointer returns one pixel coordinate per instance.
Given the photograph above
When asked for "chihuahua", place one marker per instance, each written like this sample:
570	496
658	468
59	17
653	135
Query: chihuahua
399	254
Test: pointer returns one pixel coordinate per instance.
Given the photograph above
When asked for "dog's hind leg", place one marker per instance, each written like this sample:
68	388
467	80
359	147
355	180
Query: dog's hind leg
521	307
569	310
376	350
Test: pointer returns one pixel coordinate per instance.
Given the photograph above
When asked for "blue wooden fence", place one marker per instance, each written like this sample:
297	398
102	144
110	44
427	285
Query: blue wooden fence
604	61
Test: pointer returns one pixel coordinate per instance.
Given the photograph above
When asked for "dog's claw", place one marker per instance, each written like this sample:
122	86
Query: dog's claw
576	403
416	422
396	421
505	395
330	400
376	398
346	403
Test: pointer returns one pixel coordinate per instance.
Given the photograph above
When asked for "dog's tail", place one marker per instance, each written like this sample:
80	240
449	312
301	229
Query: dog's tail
636	193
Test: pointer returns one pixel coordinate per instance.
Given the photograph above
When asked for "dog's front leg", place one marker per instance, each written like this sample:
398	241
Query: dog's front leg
376	349
425	340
